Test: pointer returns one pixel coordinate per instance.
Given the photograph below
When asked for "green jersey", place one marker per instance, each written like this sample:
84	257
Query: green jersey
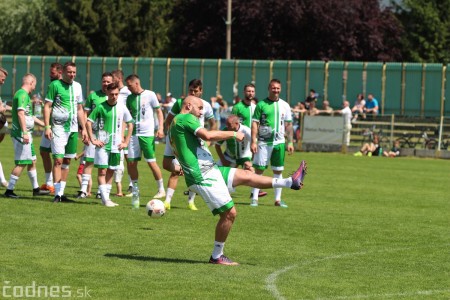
244	112
191	151
109	121
93	100
272	117
21	101
142	107
65	99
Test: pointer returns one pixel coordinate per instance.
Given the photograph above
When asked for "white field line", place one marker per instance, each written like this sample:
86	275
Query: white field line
271	285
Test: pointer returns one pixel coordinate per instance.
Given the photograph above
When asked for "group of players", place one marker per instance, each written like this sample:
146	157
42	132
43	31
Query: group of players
121	118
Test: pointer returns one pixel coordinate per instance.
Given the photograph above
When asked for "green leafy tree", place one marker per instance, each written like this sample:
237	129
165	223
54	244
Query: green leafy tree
426	25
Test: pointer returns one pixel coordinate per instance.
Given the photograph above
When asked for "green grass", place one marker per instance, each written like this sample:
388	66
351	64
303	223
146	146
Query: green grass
370	228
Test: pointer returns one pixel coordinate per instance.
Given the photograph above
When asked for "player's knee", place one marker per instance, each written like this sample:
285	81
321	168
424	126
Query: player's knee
58	162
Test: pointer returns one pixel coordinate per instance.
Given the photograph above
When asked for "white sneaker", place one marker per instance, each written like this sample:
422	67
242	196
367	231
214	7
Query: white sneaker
5	183
109	203
160	194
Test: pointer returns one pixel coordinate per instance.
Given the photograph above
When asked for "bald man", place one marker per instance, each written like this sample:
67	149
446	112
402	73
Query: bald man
187	137
23	122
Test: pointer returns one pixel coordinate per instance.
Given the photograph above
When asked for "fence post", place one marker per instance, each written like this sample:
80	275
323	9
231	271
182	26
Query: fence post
391	139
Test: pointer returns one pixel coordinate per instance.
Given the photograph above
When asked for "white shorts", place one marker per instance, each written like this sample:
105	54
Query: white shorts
45	142
264	156
23	153
118	175
214	192
106	159
89	153
64	144
168	149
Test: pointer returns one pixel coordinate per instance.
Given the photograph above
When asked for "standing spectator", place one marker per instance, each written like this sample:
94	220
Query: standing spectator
141	104
108	140
22	126
347	114
45	146
195	89
272	119
312	98
358	107
371	107
63	111
93	100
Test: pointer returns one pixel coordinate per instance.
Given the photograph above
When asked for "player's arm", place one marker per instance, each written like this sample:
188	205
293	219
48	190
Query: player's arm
169	119
38	121
47	113
160	116
220	154
82	122
218	135
254	141
212	124
90	134
290	136
23	127
129	133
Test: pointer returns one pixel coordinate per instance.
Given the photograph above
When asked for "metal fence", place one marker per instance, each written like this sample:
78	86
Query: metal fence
411	89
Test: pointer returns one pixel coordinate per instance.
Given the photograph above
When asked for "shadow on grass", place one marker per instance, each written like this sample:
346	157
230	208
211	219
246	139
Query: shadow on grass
151	258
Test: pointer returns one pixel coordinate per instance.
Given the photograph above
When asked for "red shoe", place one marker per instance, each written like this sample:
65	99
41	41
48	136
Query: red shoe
223	260
49	188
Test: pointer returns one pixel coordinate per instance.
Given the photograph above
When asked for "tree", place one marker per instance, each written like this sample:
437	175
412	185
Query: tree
426	25
302	29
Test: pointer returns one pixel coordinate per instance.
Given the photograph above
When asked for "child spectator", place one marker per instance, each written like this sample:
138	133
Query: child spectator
395	150
118	175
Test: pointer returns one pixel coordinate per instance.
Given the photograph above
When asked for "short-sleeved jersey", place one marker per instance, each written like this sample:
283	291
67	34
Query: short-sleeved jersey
372	104
244	112
123	95
272	116
21	101
94	99
191	151
141	107
207	110
109	121
235	149
65	99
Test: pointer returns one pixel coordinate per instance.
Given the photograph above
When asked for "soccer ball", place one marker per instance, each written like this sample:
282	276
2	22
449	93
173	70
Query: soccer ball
155	208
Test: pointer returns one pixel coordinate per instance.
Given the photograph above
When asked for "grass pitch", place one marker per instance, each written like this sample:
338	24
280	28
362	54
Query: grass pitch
370	228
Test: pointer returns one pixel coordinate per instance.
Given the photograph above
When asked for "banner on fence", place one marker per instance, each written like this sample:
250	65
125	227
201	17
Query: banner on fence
323	130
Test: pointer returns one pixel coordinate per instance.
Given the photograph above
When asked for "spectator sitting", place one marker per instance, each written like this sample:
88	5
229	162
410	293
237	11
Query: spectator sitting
358	108
395	150
326	108
312	98
371	149
371	107
313	111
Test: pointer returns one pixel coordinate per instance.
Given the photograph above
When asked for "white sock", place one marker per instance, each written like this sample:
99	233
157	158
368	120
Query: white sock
62	187
2	175
255	193
191	197
169	195
108	190
218	249
160	185
282	182
103	191
85	178
33	178
49	179
130	181
57	189
277	190
12	182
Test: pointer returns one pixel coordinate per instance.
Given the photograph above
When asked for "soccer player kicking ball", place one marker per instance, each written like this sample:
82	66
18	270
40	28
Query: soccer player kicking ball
187	138
109	117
